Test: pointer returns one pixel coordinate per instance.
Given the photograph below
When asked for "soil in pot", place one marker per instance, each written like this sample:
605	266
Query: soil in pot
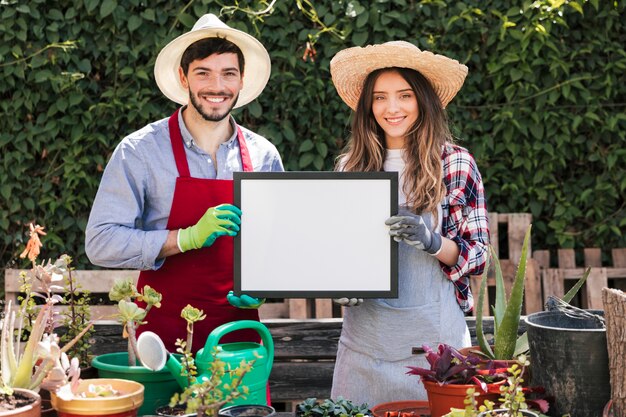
168	411
247	410
23	402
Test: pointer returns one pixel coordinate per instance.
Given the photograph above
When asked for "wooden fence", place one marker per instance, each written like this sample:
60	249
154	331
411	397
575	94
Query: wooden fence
507	236
556	281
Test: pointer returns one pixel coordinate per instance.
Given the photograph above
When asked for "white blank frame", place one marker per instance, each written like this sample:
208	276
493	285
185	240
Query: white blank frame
316	234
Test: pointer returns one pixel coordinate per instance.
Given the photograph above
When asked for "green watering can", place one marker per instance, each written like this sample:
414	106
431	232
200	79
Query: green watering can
154	356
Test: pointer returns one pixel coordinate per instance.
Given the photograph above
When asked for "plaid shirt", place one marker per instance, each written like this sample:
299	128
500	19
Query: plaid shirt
464	220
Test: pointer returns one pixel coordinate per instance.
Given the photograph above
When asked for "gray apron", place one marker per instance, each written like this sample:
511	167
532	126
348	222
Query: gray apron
377	336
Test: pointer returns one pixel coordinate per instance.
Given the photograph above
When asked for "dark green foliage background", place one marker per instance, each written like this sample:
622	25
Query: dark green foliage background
542	109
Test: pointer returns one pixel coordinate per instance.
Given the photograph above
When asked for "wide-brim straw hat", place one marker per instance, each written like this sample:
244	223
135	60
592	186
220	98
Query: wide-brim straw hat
351	66
257	61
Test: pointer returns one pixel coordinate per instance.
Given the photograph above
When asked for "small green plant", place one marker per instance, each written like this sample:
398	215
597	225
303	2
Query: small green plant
207	395
191	316
77	316
130	315
339	407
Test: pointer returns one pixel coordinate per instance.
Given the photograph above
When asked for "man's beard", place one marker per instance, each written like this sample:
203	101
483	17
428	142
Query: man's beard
211	117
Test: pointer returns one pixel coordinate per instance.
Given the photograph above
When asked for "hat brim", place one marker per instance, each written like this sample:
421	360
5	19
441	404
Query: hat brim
255	75
351	66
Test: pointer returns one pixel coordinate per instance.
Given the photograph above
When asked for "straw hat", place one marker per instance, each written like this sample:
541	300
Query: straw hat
351	66
257	60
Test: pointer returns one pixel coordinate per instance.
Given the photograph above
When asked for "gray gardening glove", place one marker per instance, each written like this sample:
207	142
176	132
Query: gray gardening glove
412	230
348	302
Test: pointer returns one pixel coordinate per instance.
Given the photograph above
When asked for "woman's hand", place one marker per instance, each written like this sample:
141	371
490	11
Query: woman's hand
412	230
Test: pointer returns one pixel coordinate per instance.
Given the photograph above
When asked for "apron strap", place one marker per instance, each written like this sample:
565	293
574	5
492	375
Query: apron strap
177	146
246	161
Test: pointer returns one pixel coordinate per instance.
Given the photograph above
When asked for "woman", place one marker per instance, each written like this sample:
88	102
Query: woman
399	94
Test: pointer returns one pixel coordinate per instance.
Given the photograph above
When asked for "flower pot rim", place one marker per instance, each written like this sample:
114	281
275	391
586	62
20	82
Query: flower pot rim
379	409
101	406
99	362
532	316
527	413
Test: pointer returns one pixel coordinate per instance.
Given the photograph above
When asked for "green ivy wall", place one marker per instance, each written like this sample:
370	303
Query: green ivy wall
542	110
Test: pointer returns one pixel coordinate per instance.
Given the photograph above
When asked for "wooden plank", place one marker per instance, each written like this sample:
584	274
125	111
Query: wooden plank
593	257
493	231
619	261
543	258
296	381
619	257
553	283
567	258
518	224
274	310
298	308
532	288
323	308
305	339
99	281
576	273
596	281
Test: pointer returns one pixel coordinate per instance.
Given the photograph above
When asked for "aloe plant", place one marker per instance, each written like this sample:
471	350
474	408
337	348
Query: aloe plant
507	345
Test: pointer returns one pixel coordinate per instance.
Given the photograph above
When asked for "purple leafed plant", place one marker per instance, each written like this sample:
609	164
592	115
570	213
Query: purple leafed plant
449	366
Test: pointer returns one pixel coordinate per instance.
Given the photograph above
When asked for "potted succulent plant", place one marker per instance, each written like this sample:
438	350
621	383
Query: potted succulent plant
451	374
159	386
507	345
512	401
24	371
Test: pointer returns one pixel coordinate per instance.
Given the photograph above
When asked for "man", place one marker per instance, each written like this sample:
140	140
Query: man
164	205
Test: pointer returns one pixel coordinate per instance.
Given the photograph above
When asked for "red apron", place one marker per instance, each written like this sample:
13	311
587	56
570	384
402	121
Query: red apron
200	277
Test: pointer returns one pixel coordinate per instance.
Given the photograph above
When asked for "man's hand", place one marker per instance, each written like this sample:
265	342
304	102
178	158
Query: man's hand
348	302
412	230
245	301
222	220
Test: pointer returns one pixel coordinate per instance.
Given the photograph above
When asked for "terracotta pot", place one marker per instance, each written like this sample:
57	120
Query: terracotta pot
418	407
441	398
30	410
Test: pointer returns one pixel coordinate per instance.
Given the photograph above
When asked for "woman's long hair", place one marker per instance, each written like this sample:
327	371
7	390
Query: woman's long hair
365	151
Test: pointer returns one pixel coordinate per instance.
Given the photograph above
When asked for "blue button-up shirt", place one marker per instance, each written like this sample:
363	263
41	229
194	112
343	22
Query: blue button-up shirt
127	224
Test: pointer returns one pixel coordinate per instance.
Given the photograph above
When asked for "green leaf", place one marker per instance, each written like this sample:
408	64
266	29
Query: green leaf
305	146
305	160
91	5
506	335
574	290
254	108
187	19
576	7
359	38
134	22
107	7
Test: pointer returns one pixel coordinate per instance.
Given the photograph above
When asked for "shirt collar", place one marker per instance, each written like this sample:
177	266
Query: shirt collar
188	139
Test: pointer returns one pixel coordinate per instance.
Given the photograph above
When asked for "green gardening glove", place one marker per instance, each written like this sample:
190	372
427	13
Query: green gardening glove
245	301
222	220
